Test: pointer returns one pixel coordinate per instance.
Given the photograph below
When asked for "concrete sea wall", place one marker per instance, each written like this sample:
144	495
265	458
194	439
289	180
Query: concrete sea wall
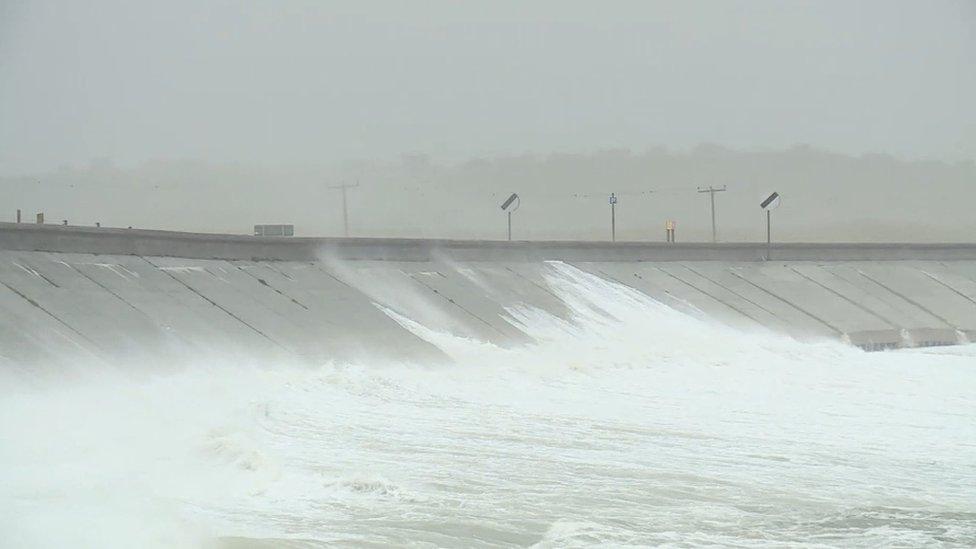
69	294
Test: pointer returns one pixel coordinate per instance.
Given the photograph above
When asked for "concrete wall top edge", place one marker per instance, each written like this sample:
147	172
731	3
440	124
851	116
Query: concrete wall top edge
71	239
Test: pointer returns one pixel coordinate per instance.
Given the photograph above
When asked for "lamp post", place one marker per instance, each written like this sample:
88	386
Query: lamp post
769	204
613	217
505	208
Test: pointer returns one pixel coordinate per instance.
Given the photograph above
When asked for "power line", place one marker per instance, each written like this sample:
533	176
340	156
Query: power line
602	195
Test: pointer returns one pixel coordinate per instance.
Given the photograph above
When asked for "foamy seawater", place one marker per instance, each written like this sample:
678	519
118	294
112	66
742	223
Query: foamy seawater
631	425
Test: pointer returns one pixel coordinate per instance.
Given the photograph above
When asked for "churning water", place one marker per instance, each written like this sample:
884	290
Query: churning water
631	425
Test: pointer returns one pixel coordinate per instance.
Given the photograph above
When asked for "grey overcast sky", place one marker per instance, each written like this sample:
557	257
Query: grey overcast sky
316	82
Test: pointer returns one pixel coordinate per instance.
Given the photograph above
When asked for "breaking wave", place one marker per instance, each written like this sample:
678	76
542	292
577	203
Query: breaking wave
624	423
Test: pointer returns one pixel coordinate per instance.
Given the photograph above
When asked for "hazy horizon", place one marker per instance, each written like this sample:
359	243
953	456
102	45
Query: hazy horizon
827	196
322	83
217	116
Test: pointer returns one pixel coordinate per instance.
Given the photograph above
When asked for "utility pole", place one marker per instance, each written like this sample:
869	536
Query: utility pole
613	217
345	209
711	192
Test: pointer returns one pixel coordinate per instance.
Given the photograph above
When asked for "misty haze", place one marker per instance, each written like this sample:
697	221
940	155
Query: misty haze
487	274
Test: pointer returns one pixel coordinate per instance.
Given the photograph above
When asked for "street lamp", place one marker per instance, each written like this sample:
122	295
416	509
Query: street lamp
505	207
613	217
769	204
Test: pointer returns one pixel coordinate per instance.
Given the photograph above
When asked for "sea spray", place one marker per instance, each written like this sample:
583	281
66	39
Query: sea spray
626	423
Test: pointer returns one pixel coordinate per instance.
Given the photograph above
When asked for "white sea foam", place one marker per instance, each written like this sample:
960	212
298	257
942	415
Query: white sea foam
632	424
